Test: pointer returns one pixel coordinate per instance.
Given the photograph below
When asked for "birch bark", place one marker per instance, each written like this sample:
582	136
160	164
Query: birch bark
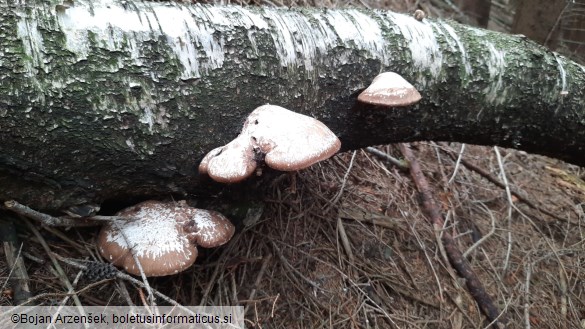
109	99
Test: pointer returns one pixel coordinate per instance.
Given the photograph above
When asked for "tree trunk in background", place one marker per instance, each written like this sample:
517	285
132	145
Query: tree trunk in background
110	99
478	11
539	20
573	30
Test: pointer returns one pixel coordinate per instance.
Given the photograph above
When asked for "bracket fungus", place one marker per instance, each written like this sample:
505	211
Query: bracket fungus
283	139
390	89
162	236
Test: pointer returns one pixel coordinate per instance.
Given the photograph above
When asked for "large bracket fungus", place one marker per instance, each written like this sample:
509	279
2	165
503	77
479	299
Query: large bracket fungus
282	139
162	236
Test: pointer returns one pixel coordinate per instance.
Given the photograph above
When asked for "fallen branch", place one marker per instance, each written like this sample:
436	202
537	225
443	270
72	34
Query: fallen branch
59	221
474	286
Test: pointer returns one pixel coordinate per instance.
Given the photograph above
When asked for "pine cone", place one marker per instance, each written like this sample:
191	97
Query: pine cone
97	271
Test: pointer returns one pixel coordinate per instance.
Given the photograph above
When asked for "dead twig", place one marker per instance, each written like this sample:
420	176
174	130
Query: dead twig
400	164
344	181
57	267
345	241
18	275
252	295
485	237
456	258
500	184
59	221
510	207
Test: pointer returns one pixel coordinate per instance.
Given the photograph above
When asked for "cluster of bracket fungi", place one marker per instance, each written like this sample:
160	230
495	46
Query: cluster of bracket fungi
158	238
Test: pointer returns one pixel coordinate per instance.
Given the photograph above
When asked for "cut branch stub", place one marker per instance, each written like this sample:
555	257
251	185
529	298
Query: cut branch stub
285	140
159	237
390	89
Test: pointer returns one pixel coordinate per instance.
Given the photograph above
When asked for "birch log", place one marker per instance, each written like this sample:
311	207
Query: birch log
107	99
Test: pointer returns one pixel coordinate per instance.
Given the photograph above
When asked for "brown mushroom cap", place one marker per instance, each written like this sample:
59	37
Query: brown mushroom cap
390	89
231	163
204	165
156	235
290	141
209	229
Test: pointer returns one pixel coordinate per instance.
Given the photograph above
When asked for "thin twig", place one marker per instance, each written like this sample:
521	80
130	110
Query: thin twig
252	295
510	207
126	277
400	164
456	258
138	264
563	293
527	297
292	268
344	181
485	237
457	163
60	221
60	272
344	240
46	219
498	183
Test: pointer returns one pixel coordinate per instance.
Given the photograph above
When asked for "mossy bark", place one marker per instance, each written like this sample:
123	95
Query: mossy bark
103	99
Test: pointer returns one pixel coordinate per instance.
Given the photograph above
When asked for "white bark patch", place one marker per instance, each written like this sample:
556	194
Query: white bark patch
562	75
32	41
300	42
425	51
355	28
496	65
455	38
130	144
191	32
122	29
286	27
28	32
147	118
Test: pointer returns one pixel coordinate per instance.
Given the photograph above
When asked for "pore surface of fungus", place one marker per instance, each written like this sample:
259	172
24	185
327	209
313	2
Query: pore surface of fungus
390	89
156	233
283	139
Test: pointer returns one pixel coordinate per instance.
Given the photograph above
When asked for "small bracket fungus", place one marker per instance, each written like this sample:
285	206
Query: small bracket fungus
209	229
390	89
283	139
161	236
230	163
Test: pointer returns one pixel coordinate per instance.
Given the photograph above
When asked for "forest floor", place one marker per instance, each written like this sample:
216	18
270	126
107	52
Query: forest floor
346	244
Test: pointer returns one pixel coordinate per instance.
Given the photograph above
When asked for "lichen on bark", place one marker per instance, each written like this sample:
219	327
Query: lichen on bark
112	98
